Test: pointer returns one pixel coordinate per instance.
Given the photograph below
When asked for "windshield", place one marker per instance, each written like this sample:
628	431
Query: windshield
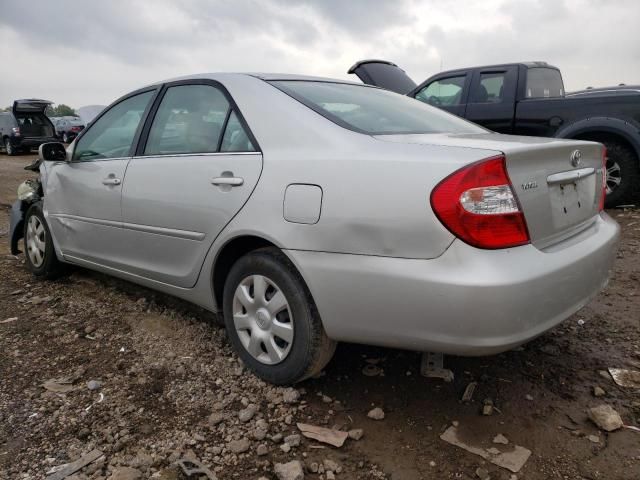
544	83
372	110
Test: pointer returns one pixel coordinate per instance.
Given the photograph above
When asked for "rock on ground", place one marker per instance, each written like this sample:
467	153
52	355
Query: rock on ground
125	473
376	414
605	417
289	471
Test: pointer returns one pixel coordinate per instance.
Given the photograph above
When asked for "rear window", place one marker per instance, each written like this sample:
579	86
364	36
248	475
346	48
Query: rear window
372	110
544	83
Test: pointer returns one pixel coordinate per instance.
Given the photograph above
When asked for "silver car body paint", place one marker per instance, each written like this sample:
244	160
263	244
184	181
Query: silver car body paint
381	267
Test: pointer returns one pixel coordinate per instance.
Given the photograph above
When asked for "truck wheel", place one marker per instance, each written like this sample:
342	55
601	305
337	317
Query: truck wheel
9	148
40	255
272	321
623	174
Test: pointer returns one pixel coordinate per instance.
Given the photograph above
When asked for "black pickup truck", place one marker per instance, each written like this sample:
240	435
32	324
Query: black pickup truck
529	99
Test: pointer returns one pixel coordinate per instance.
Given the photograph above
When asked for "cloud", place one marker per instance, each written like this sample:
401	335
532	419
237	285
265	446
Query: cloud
82	53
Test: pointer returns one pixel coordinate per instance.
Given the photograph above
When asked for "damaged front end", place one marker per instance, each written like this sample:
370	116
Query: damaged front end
29	192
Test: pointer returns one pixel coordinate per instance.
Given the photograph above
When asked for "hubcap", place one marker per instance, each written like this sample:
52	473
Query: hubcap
36	241
262	319
614	175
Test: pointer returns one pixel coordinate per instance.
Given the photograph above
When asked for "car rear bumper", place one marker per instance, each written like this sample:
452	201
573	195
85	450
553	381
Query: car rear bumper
465	302
30	142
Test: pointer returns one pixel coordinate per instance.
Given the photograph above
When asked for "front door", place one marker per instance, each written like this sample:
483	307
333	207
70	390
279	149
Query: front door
83	196
448	93
197	168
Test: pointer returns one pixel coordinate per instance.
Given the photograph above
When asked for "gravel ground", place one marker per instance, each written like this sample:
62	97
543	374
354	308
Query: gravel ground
149	380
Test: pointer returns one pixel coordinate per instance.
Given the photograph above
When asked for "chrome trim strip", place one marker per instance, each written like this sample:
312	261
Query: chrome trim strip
570	176
167	232
209	154
96	221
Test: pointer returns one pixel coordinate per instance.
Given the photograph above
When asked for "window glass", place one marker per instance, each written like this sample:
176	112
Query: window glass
544	83
189	120
235	137
372	110
446	91
112	134
491	88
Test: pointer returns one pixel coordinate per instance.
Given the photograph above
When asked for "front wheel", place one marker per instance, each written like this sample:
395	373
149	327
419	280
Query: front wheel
272	321
623	174
40	255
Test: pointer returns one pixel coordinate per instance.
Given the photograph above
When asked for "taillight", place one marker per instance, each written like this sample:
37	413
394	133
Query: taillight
16	131
603	193
477	205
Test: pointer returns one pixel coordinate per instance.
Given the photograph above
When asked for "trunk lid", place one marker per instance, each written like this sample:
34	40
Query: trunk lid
381	73
558	192
30	105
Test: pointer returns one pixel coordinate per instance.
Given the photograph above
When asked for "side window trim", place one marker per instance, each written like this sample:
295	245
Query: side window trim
136	136
144	134
223	132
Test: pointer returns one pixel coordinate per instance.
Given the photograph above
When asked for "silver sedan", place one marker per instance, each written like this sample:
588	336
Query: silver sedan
310	211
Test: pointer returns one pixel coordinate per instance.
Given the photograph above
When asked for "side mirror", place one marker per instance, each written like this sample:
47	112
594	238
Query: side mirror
53	152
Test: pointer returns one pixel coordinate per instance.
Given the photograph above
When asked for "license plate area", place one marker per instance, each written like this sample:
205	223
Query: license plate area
572	202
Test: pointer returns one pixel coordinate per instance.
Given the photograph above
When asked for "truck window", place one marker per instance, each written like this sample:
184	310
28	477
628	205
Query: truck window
544	83
445	91
490	88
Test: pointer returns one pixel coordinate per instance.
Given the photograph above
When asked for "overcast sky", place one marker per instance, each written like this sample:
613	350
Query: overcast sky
91	52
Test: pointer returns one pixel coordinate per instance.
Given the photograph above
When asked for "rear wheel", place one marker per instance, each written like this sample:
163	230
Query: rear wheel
40	255
9	147
623	174
272	320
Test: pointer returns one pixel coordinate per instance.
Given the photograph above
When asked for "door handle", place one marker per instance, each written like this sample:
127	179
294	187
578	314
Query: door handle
111	181
232	181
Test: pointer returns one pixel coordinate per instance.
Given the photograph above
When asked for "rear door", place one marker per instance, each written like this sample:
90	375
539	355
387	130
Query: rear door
196	166
82	197
448	92
383	74
492	98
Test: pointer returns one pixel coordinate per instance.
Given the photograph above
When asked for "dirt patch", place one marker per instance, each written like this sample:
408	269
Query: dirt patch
170	386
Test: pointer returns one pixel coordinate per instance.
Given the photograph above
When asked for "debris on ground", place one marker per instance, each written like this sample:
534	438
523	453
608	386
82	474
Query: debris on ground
432	366
482	473
191	466
625	378
371	370
289	471
469	391
356	433
64	471
9	320
512	460
598	391
59	385
376	414
605	417
125	473
94	384
500	439
324	435
487	407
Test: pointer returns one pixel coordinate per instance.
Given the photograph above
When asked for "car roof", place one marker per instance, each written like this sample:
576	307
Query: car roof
501	65
259	75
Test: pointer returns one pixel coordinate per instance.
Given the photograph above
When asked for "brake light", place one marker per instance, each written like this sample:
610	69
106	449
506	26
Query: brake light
603	193
16	131
477	205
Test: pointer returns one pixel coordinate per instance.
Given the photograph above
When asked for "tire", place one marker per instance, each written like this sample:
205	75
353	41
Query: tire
65	137
40	255
304	348
11	151
623	175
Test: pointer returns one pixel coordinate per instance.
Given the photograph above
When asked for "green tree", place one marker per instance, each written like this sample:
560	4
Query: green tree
60	110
